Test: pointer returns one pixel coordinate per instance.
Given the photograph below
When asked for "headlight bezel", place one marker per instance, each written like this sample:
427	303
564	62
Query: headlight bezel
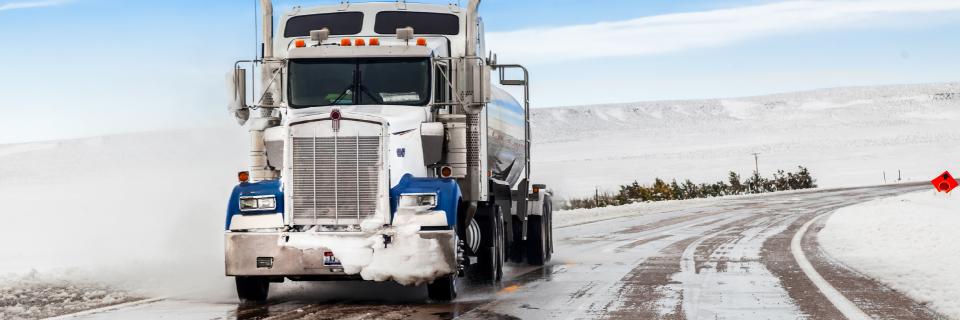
258	203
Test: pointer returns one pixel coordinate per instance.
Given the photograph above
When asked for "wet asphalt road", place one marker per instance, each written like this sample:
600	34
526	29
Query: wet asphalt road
715	259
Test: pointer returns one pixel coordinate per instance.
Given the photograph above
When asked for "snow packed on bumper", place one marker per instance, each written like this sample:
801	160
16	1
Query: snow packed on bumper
408	259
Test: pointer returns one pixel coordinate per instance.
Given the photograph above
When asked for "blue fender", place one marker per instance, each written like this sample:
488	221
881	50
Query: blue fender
447	190
262	188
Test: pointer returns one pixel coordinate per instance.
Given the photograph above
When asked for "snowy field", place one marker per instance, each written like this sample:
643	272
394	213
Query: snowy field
907	242
847	137
139	212
144	212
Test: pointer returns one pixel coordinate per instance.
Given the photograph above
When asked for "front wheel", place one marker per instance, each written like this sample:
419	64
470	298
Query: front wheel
253	289
443	289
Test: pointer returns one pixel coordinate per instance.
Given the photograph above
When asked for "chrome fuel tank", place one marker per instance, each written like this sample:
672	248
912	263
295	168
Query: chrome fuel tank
506	150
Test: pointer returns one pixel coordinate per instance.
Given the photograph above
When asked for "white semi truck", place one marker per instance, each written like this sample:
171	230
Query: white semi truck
380	150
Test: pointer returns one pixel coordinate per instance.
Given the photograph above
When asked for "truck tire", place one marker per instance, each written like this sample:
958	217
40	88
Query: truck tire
537	241
501	245
540	236
443	289
490	257
517	252
549	214
252	289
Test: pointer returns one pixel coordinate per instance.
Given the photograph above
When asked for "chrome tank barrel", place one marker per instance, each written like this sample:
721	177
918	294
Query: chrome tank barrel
506	151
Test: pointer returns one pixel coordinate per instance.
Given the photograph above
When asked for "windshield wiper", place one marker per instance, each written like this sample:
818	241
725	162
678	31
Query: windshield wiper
343	94
363	89
355	83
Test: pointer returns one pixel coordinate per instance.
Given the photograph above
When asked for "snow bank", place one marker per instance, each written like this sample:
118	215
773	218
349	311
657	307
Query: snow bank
403	260
34	296
909	242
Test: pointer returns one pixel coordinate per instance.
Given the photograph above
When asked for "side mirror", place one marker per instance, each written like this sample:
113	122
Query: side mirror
238	95
507	81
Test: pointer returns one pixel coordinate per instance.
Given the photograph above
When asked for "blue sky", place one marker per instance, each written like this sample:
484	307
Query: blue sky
78	68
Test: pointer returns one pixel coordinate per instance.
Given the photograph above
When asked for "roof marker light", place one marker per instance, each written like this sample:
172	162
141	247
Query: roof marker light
300	43
345	42
320	35
361	42
374	41
422	42
405	34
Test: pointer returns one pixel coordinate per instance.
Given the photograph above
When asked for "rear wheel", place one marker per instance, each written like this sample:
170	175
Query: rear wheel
540	236
253	289
490	256
501	245
548	213
516	252
443	289
537	241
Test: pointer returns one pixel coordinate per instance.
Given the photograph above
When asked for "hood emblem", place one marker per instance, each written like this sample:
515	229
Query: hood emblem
335	116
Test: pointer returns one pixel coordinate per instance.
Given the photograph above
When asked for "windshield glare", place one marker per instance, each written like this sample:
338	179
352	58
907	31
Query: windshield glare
381	81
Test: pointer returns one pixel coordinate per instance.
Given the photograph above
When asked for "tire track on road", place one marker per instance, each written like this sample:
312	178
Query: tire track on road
643	292
866	295
872	297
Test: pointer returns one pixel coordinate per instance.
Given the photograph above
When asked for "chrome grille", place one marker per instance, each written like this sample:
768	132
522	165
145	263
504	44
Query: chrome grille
335	179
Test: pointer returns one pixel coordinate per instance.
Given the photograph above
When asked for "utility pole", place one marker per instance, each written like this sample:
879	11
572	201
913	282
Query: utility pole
756	163
596	197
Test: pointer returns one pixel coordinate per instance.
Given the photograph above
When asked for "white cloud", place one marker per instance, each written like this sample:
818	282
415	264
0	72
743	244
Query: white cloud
30	4
685	31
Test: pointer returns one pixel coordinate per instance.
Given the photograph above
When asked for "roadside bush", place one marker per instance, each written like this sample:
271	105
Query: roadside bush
660	190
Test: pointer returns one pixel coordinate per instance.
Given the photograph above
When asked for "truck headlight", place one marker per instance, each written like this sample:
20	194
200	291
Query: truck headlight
420	209
260	203
418	200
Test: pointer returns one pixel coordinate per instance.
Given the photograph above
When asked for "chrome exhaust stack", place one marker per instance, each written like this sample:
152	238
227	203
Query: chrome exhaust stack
473	106
259	167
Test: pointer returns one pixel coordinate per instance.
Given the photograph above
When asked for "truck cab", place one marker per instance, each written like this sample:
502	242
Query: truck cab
380	152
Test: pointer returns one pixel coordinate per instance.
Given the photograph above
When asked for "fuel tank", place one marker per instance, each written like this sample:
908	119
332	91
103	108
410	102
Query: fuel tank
506	149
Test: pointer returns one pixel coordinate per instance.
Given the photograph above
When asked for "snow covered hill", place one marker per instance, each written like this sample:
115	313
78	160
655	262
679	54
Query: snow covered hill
847	137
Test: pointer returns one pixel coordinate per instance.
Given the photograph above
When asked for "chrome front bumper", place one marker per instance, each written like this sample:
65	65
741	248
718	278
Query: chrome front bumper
247	254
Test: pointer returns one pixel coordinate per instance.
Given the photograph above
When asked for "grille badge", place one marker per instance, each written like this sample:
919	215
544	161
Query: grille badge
335	116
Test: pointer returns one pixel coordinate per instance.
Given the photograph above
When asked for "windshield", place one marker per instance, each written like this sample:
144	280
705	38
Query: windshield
384	81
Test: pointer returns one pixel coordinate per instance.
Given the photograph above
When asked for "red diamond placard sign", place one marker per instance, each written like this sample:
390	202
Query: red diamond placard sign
945	182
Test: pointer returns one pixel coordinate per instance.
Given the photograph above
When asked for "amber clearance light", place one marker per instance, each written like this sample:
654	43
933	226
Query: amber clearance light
446	172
